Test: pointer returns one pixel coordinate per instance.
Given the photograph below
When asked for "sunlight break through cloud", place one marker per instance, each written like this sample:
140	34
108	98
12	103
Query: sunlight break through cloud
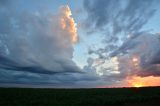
122	25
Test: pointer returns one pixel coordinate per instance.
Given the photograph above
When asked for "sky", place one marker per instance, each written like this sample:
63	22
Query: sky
79	43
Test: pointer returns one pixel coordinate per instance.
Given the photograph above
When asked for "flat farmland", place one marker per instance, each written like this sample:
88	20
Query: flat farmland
145	96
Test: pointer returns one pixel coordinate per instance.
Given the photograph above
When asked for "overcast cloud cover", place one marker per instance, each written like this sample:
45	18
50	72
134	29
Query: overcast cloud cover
37	45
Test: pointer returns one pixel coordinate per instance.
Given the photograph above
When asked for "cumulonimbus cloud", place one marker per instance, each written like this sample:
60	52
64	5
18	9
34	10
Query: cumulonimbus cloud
36	43
39	42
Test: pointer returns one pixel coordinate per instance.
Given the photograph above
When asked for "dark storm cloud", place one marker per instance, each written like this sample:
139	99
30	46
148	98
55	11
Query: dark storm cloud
27	79
35	49
37	37
8	64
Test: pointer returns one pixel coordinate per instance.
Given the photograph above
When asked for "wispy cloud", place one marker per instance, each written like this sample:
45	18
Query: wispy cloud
121	23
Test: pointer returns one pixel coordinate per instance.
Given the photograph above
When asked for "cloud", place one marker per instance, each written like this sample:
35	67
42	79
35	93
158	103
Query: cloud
122	24
68	23
39	40
125	16
36	46
117	19
142	58
36	49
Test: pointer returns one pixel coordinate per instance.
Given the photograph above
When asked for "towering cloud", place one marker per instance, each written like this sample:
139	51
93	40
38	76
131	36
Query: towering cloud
67	23
35	40
33	43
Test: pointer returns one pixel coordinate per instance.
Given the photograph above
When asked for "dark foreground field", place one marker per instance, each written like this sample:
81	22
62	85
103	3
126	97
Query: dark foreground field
80	97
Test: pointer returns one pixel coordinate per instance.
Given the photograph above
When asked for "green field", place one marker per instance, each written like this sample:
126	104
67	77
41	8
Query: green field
80	97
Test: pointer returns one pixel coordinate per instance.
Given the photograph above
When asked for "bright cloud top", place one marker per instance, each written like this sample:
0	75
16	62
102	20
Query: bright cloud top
67	23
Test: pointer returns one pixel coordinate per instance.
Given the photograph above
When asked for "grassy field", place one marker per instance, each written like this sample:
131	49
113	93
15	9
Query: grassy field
80	97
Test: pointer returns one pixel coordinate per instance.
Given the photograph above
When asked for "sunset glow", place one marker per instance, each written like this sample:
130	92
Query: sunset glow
144	81
137	85
135	59
68	24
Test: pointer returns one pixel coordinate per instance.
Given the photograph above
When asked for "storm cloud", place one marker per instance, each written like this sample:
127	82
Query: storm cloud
33	43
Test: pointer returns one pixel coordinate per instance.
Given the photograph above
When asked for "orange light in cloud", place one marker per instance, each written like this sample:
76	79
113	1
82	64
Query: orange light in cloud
137	81
135	59
67	23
